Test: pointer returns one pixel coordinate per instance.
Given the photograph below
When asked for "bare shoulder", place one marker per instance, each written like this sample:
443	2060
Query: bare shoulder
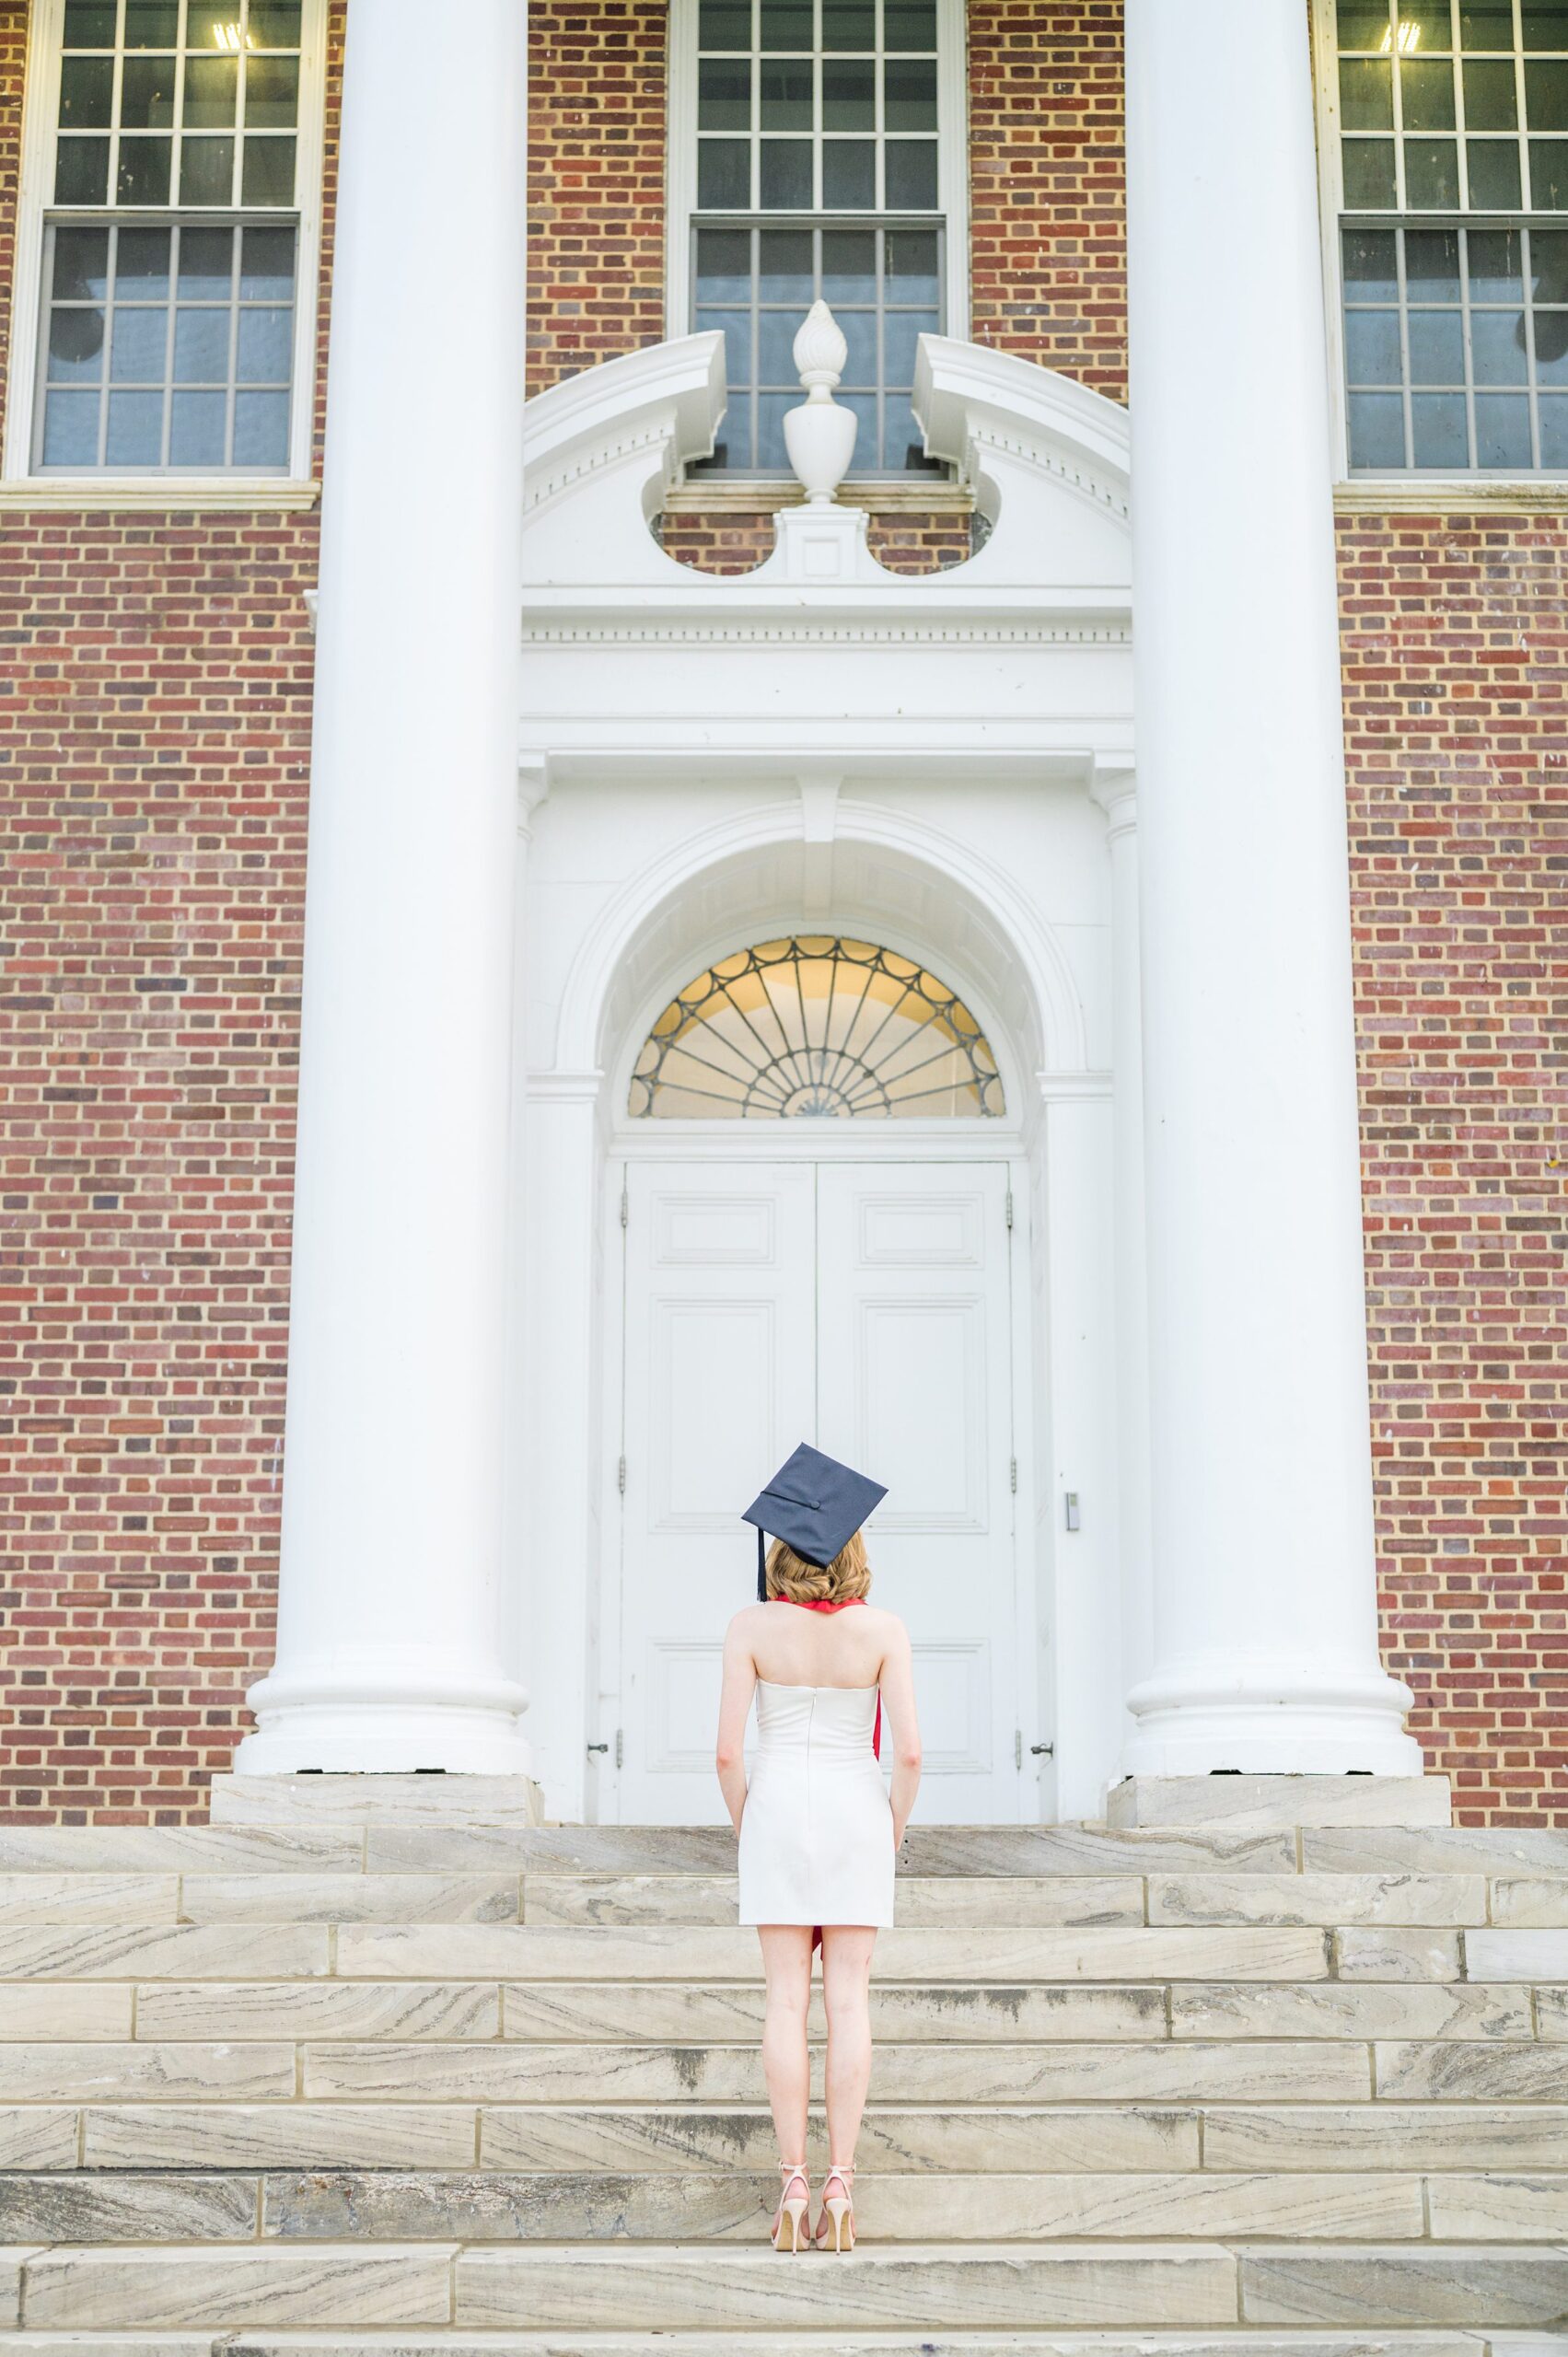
746	1623
887	1627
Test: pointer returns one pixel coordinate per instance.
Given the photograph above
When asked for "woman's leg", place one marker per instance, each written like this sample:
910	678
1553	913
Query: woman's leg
846	1991
786	1960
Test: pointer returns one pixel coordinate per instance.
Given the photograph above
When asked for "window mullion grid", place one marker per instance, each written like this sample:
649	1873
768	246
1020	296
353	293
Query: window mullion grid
754	398
878	114
1397	88
111	189
1458	70
231	391
177	128
880	250
754	143
1526	191
112	297
1527	285
1472	445
166	425
1402	285
237	182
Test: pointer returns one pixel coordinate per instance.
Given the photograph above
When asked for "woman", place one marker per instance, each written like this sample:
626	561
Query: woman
818	1839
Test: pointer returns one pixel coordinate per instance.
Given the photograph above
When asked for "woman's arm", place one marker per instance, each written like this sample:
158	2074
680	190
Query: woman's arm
735	1705
898	1696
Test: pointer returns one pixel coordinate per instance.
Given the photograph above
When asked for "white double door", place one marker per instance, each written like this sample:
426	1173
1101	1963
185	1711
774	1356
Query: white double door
864	1307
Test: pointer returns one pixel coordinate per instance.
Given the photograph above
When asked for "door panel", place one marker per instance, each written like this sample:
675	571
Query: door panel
864	1307
913	1384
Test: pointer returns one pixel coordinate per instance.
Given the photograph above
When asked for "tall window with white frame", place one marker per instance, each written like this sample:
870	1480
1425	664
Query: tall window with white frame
171	241
1453	192
818	172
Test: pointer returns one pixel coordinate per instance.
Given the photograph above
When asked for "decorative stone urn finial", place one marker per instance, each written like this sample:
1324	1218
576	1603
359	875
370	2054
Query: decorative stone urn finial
820	435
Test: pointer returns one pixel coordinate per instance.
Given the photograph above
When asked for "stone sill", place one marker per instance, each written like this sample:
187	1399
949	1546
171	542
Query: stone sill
1452	495
708	497
160	495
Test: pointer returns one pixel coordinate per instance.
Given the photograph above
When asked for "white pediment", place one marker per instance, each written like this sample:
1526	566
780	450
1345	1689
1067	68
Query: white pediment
1046	458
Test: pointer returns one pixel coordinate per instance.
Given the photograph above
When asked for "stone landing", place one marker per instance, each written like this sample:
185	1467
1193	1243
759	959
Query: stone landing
399	2070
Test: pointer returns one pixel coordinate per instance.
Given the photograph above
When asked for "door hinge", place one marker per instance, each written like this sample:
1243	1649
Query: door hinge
605	1748
620	1476
1017	1746
1013	1475
1009	1207
1043	1750
625	1207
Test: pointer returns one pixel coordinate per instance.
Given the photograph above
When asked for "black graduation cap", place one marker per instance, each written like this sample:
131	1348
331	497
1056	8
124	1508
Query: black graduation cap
813	1503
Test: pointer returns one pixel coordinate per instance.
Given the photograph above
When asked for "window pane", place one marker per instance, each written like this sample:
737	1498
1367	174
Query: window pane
1432	265
87	92
268	175
201	346
908	24
1497	348
89	24
910	166
867	452
849	175
1493	166
1426	93
135	429
860	334
260	429
1424	24
1545	24
1369	175
1554	430
901	332
785	25
196	427
913	274
1546	94
1549	175
1364	24
1491	101
141	265
786	175
785	265
771	453
144	170
212	89
206	263
724	173
266	264
81	172
1372	348
1437	348
81	265
273	24
724	94
76	347
849	94
1438	430
139	349
1502	430
1487	24
909	94
272	93
207	171
1371	270
905	445
848	24
776	332
1366	94
735	329
265	337
849	266
152	24
1495	271
70	430
1552	347
724	265
1548	265
146	94
1432	174
733	447
785	93
1376	430
722	24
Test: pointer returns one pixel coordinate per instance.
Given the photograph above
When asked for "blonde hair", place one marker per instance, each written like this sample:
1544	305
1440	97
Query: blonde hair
799	1581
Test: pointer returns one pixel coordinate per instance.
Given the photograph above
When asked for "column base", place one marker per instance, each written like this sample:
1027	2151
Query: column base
316	1804
387	1723
1250	1714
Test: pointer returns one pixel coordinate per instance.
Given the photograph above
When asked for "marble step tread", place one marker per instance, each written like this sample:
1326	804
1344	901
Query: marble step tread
670	1952
1047	2341
182	1848
1307	2070
405	2206
89	2287
1253	1802
952	1852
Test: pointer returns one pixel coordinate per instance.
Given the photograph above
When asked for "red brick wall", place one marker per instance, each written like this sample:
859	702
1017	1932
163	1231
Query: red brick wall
738	542
1456	665
156	700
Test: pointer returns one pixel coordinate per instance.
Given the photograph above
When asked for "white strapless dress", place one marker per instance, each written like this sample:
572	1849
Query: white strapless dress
816	1831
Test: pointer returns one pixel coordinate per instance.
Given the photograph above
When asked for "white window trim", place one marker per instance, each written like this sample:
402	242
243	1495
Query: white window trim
1405	487
952	163
101	487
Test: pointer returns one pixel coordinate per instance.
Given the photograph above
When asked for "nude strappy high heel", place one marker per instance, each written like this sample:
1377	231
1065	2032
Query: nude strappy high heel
838	2212
792	2215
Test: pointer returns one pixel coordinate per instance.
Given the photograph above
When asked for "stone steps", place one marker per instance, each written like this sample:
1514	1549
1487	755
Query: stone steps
356	2072
458	2341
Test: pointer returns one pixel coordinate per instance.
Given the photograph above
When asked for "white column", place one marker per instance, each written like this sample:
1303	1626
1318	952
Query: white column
1265	1602
390	1652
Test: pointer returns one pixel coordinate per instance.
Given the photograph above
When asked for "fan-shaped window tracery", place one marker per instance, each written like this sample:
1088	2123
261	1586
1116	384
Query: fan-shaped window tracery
815	1027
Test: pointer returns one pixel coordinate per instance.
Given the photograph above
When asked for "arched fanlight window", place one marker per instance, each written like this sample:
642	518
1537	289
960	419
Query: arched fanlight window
815	1027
